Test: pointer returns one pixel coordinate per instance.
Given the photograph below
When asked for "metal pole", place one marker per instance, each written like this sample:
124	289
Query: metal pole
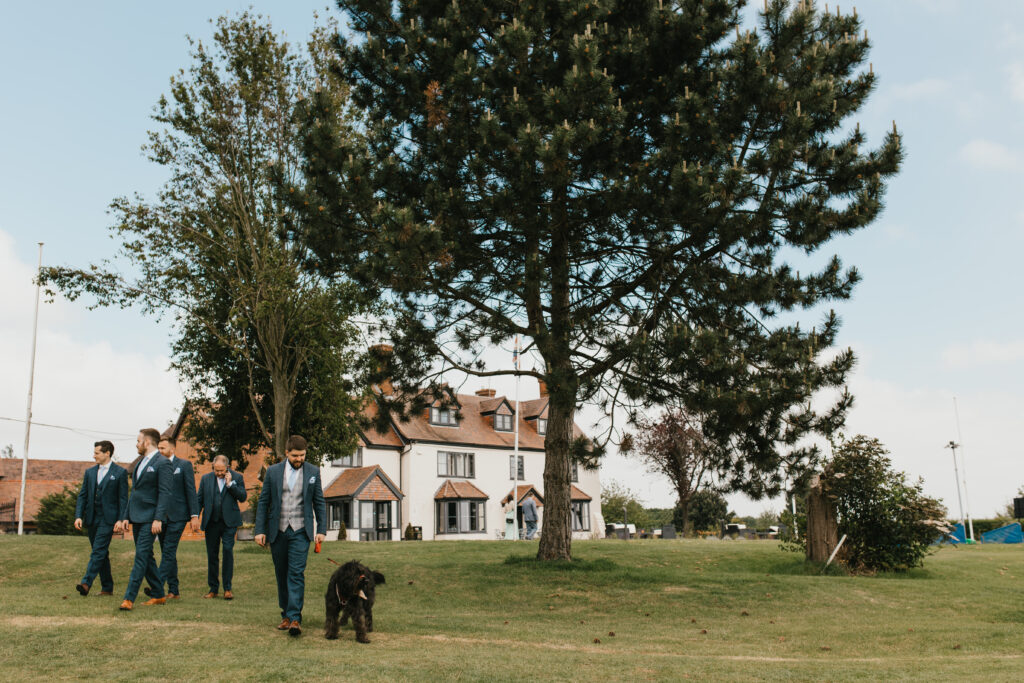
515	452
952	445
963	456
28	411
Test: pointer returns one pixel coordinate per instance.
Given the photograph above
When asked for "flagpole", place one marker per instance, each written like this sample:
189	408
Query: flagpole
515	451
28	412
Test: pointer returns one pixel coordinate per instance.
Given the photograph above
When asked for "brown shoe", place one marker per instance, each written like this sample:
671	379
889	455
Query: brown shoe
173	596
82	588
126	605
211	594
228	595
294	629
285	623
106	593
156	601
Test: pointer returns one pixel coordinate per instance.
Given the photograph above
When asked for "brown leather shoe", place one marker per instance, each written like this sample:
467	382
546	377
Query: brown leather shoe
156	601
82	588
173	596
285	623
294	629
106	593
126	605
228	595
211	594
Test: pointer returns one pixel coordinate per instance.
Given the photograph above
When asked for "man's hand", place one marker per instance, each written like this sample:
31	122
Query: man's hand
261	540
78	523
320	538
195	524
118	527
156	527
227	478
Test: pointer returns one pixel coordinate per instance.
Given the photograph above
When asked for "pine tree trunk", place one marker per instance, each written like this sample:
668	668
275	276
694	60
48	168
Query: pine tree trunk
556	536
822	527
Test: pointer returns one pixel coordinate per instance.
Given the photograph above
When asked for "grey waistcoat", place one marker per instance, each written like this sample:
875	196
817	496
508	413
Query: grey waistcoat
291	504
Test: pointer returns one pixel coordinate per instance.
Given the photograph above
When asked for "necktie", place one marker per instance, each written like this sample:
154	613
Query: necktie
142	468
291	477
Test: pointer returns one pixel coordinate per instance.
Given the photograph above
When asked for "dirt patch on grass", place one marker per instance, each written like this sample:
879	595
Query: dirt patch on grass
677	589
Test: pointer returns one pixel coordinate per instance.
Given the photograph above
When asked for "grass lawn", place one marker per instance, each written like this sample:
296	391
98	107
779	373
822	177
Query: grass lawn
480	610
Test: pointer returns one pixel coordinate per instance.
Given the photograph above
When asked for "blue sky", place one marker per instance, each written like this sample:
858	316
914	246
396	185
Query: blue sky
933	318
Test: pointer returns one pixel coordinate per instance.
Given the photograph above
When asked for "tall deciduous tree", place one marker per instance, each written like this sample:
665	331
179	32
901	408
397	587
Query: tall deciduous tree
263	343
674	446
620	182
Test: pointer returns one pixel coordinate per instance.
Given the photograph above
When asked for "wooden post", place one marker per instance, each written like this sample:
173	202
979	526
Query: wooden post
822	527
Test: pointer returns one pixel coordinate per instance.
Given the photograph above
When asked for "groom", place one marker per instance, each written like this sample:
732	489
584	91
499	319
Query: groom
291	494
102	504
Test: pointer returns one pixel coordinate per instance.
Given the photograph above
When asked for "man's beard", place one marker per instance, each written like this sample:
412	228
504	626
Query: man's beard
294	466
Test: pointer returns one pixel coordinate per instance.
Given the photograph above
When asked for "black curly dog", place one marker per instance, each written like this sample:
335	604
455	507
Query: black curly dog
351	593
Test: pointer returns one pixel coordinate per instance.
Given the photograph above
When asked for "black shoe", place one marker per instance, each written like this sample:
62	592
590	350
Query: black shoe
82	589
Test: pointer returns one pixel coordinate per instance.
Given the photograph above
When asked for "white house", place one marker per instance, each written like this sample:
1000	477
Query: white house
447	471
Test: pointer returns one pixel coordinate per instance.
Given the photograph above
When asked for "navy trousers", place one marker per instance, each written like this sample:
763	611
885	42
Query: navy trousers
169	538
290	550
99	561
145	564
216	535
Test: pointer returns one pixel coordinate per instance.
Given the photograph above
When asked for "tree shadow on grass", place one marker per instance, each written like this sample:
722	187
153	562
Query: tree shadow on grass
578	565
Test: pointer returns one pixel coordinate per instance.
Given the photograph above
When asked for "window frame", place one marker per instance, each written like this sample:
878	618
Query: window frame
464	512
583	507
354	459
443	417
506	420
522	468
464	464
542	426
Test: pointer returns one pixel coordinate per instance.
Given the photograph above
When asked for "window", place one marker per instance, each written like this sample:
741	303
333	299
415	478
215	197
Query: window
503	423
353	460
580	515
542	425
574	471
456	464
443	416
513	471
461	516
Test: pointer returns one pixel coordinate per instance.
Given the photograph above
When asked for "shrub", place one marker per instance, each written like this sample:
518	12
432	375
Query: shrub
889	523
56	514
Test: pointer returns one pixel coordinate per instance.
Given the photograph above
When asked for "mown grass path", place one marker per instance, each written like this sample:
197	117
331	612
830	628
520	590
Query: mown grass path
741	610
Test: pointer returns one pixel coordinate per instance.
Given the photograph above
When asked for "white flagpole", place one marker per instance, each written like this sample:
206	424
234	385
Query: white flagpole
515	456
963	463
28	412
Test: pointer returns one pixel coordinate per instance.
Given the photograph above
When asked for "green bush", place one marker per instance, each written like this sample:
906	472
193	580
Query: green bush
56	515
707	510
889	523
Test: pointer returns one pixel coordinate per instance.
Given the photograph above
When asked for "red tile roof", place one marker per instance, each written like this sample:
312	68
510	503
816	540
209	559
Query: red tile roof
459	489
525	491
363	483
44	477
576	494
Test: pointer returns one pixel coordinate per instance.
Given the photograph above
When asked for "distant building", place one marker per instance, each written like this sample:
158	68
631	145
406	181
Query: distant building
44	477
446	471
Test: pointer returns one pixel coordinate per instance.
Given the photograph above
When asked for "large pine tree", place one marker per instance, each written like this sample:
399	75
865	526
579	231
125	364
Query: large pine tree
620	182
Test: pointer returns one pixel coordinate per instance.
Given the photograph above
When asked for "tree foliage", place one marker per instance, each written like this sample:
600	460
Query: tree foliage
615	497
706	511
674	446
620	182
263	344
56	516
889	523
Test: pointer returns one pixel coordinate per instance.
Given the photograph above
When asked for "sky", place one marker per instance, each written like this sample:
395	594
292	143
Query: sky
933	322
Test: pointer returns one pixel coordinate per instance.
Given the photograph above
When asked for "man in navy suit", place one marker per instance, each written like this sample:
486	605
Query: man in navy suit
151	489
291	494
182	508
220	492
102	504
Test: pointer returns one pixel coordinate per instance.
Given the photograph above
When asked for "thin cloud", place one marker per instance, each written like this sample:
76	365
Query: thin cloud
988	155
1015	74
981	353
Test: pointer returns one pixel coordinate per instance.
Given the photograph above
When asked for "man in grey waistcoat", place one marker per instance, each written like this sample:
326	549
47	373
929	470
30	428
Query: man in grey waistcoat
291	495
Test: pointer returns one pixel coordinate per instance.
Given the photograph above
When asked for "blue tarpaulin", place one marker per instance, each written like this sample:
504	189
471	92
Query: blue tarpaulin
956	535
1011	533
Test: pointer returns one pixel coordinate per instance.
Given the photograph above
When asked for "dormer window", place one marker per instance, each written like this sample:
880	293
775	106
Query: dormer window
443	416
503	423
542	425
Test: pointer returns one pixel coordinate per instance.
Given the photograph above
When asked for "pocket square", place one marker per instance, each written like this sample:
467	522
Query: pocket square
312	479
149	469
177	470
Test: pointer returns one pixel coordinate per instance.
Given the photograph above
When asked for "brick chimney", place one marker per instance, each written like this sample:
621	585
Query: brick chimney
543	387
385	386
489	393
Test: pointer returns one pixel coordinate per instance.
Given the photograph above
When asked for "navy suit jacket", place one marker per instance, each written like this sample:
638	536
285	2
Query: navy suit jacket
268	511
113	496
150	491
182	504
232	496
